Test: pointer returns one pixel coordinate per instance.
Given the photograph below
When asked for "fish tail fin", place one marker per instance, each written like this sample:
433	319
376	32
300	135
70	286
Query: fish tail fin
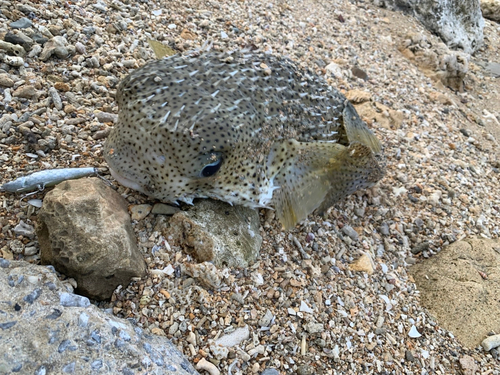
319	174
356	129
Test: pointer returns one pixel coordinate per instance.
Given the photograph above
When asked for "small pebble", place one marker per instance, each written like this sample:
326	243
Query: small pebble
414	333
106	117
270	371
491	342
24	229
209	367
22	23
6	80
15	61
417	249
56	99
349	231
234	338
305	308
140	211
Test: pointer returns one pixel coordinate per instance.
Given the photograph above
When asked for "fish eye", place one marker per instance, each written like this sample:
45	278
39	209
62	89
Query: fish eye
214	163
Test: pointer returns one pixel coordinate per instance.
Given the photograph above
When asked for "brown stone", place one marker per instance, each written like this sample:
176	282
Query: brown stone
386	117
84	231
358	96
438	97
62	86
363	264
5	80
460	287
69	108
25	91
188	35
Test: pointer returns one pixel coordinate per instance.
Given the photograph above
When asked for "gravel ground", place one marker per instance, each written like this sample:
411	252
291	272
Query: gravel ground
307	309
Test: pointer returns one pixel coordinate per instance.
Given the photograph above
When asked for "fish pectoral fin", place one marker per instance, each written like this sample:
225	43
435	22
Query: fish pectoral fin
356	129
303	179
355	168
317	174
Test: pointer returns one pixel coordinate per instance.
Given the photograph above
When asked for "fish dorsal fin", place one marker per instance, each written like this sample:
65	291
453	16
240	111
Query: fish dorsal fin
356	129
315	175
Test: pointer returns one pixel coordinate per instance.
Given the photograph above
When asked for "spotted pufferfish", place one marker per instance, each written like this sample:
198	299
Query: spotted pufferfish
246	128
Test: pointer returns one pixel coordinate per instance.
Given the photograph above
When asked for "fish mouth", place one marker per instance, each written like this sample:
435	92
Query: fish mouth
126	182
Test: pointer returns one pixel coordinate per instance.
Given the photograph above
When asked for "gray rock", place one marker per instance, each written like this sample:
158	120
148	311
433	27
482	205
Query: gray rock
265	321
493	69
23	229
349	231
164	209
313	327
384	229
423	246
40	39
27	9
458	22
22	23
305	370
106	117
73	300
84	231
270	371
214	231
72	338
19	38
80	48
56	99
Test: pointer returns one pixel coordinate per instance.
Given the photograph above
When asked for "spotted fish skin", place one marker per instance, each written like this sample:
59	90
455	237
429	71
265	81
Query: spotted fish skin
256	120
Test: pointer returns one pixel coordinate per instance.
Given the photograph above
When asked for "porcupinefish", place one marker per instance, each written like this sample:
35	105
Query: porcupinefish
246	128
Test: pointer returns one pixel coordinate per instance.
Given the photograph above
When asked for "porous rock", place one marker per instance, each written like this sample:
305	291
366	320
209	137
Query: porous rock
386	117
491	9
217	232
460	287
74	338
436	61
458	22
85	232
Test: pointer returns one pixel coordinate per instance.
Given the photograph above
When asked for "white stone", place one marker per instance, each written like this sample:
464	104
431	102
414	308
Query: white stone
234	338
491	342
335	70
305	308
414	333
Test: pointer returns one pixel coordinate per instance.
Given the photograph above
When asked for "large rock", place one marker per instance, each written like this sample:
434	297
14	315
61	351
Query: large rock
491	9
214	231
460	287
45	329
84	231
458	22
436	61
